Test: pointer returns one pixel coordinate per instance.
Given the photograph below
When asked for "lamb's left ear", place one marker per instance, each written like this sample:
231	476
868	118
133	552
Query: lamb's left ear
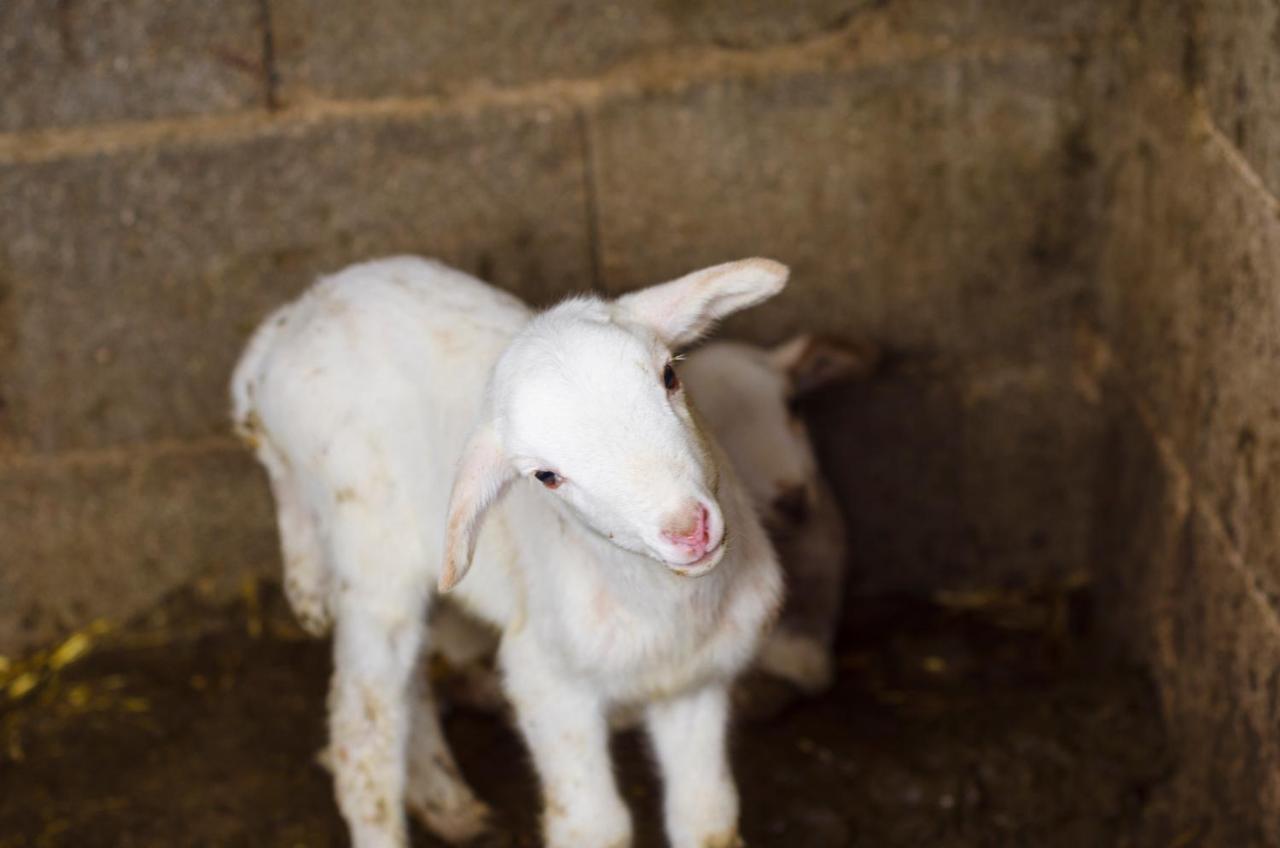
684	309
811	363
483	474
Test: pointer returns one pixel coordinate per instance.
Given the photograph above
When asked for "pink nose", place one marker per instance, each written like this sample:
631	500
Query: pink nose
692	532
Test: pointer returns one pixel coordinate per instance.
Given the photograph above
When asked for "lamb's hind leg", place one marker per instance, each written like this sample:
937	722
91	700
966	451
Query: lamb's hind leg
436	792
379	607
306	577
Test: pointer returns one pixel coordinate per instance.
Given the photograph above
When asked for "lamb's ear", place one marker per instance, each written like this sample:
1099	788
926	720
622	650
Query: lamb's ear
811	363
483	474
682	310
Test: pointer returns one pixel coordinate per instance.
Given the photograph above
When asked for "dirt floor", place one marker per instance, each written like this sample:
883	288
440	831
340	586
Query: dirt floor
963	721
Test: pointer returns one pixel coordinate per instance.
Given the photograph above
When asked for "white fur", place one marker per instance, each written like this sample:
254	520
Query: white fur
744	394
383	384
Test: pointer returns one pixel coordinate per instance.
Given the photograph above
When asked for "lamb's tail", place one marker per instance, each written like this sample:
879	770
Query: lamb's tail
248	371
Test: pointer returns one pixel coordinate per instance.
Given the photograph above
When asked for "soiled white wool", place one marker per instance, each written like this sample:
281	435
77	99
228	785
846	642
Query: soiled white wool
421	428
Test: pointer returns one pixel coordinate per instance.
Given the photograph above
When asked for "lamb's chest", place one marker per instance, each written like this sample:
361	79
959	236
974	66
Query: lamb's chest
645	644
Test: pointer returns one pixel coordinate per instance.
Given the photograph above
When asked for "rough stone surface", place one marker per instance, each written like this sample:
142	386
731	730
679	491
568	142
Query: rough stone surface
1182	597
1187	536
1240	50
84	540
927	197
860	184
1061	220
393	47
1224	702
991	20
957	256
1197	330
133	280
353	49
77	62
930	202
1009	740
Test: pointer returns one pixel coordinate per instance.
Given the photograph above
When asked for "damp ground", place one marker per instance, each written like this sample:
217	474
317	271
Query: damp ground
965	720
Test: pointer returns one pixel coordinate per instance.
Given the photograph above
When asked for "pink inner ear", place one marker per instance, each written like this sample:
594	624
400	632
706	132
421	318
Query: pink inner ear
483	474
684	309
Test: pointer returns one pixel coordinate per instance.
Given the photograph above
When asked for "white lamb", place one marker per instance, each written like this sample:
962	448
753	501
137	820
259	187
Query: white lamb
620	557
748	398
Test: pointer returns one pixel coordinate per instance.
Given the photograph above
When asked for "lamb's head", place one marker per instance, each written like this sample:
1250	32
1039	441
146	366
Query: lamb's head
587	402
749	397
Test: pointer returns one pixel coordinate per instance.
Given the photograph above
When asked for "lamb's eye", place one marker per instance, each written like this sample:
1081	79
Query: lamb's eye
550	479
669	378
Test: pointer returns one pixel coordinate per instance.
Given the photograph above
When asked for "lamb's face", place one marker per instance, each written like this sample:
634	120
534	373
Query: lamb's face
593	410
586	401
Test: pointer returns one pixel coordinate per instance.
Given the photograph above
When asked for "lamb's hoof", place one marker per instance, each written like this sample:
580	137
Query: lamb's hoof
470	823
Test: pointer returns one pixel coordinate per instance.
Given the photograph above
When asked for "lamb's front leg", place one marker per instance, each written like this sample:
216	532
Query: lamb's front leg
565	727
700	801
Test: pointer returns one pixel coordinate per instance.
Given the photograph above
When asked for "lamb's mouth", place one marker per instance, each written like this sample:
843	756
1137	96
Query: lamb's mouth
701	565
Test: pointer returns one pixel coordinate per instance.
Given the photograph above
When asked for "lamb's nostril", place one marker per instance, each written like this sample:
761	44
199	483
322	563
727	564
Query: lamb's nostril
692	530
793	504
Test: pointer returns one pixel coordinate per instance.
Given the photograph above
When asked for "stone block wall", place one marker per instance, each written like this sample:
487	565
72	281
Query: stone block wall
1188	543
1062	219
169	171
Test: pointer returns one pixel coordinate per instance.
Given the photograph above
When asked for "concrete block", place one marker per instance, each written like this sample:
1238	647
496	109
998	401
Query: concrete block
1186	537
1239	50
1149	267
84	540
350	49
65	64
1180	598
397	48
133	280
993	19
1189	301
1238	428
927	205
1223	702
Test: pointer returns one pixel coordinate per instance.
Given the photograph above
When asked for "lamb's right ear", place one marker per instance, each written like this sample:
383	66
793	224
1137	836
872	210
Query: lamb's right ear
483	474
684	309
